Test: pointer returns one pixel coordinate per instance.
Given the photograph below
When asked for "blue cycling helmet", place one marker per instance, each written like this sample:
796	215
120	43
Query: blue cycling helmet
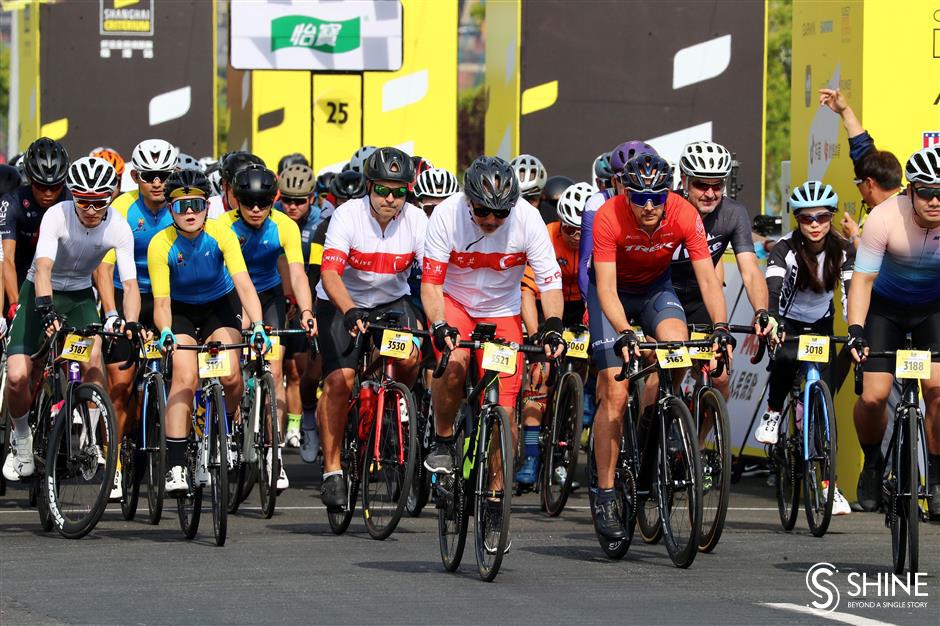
602	170
626	151
813	194
647	172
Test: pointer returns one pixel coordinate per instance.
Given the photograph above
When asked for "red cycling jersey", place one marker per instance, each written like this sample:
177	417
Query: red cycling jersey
642	258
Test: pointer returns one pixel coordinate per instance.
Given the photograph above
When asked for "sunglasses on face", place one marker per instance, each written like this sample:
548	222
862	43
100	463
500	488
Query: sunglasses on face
151	176
822	218
701	185
185	205
48	188
95	205
640	198
482	211
926	193
293	201
382	191
572	231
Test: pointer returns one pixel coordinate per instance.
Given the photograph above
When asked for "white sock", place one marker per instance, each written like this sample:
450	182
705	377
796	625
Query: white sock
338	472
21	426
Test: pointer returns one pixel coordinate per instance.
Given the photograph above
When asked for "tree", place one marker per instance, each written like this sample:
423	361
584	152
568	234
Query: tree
779	49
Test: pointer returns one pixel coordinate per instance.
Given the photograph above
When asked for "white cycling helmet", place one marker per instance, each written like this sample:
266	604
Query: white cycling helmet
215	182
154	155
436	183
358	159
91	178
186	162
813	194
924	166
530	173
571	203
705	159
206	162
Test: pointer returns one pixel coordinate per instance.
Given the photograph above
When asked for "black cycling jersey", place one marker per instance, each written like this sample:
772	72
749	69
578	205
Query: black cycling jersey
728	224
803	306
20	216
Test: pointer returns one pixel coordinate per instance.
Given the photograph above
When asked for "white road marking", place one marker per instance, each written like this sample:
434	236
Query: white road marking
835	616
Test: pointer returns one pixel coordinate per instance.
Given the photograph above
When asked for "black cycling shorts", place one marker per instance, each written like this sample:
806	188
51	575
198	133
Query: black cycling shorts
199	321
334	340
273	307
119	350
695	311
888	322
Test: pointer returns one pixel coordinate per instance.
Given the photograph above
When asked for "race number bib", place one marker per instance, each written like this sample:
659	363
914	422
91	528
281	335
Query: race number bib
152	350
700	354
77	348
912	364
396	344
274	353
670	359
813	348
577	344
499	358
214	366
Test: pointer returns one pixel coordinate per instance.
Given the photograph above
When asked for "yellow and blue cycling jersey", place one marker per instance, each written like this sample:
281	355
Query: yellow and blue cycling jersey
262	246
194	271
144	225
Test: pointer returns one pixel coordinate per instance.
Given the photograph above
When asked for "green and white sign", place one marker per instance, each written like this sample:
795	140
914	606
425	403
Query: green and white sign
353	35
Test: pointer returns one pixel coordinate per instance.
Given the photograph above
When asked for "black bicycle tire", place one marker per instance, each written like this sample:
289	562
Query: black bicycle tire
569	384
682	556
499	423
713	526
420	491
189	505
339	519
812	419
40	445
912	512
615	549
268	439
238	473
218	466
787	462
452	544
156	458
130	485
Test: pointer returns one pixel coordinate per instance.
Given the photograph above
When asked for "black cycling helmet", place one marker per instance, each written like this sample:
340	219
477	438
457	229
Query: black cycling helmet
9	179
255	185
46	162
186	183
647	172
323	182
348	185
291	159
234	162
490	181
390	164
554	187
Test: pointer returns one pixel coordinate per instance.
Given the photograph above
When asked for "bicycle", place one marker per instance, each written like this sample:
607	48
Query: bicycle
902	488
805	452
379	447
73	437
479	483
146	441
208	447
420	491
659	460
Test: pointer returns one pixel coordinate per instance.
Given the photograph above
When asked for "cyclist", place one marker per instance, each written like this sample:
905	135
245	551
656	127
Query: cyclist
294	158
265	235
117	162
370	246
197	276
877	172
297	189
531	175
230	164
433	186
358	159
895	291
477	247
802	272
46	164
323	198
602	171
187	162
564	235
634	236
705	167
73	237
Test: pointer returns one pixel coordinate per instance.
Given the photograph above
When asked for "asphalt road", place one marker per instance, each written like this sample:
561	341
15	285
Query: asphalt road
292	569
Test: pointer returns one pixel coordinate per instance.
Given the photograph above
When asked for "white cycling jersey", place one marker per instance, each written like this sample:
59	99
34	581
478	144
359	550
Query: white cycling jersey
374	265
484	272
76	250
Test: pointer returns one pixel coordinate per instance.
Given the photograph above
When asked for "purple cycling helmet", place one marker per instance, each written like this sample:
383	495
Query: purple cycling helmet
626	151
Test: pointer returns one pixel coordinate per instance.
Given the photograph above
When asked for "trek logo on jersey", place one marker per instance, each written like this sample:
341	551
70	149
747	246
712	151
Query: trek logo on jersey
304	31
668	245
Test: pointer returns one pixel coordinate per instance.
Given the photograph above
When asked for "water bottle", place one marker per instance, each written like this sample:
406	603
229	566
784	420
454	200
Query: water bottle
367	406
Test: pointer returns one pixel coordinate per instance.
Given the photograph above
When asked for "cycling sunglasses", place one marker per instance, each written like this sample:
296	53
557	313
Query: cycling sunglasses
926	193
96	205
640	198
184	205
152	175
572	231
482	211
382	191
293	201
701	185
822	218
48	188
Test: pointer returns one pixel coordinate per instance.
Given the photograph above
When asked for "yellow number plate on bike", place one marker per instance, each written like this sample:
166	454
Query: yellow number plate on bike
700	354
274	353
670	359
396	344
152	350
214	366
912	364
813	348
499	358
77	348
577	344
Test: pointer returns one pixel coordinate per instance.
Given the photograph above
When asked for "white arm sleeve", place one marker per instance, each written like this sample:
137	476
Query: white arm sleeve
541	254
124	248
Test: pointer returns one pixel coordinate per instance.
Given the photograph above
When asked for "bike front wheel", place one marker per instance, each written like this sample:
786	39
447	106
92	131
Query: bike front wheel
189	504
714	440
155	447
819	465
340	518
130	477
268	443
218	465
563	443
679	484
492	490
787	458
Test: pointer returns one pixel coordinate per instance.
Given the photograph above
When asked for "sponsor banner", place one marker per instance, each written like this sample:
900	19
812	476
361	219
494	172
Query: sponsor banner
126	17
318	36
